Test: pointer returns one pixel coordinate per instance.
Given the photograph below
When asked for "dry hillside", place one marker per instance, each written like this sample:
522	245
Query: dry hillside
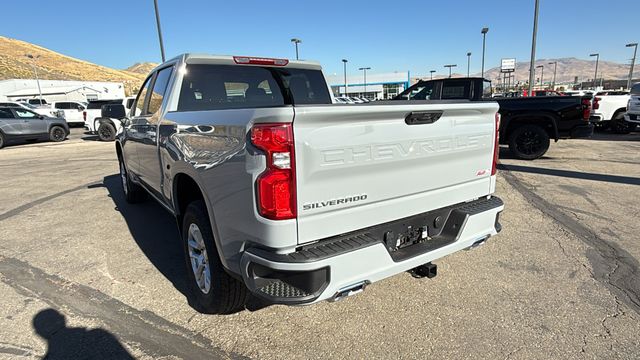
142	68
568	69
54	66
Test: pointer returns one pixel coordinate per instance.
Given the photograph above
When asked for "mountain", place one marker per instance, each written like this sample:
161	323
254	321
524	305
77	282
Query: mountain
55	66
568	70
143	68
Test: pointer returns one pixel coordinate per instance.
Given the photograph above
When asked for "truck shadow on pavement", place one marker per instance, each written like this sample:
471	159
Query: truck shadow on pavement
609	136
572	174
74	343
155	232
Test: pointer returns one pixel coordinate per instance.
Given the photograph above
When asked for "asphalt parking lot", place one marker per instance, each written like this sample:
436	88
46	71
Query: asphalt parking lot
81	270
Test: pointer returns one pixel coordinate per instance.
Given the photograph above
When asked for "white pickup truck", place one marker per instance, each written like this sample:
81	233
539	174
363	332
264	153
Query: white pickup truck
105	128
279	192
633	106
608	110
72	110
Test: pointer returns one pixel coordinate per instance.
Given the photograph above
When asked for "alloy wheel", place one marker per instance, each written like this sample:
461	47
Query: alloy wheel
199	259
529	142
58	134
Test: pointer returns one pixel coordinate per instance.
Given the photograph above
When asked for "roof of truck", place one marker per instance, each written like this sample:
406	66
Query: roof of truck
197	58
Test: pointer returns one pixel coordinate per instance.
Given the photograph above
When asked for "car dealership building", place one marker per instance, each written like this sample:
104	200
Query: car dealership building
378	86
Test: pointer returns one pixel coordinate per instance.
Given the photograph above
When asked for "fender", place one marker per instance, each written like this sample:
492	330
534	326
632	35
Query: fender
529	117
188	171
105	121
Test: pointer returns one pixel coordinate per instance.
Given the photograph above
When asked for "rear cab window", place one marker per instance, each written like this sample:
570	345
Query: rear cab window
452	90
217	87
97	105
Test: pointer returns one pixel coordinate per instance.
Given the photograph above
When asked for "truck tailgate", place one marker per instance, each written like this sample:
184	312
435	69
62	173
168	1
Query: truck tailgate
363	165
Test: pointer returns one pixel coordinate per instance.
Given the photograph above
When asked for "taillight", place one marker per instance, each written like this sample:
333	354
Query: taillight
276	186
496	146
259	61
586	109
84	115
596	103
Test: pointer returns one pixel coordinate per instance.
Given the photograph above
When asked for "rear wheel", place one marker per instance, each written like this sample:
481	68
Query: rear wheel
528	142
106	132
620	126
133	193
212	290
1	140
57	133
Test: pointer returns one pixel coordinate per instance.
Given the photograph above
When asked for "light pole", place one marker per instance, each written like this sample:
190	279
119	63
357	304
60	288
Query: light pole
432	71
345	61
541	75
595	77
450	66
533	47
633	61
468	63
365	78
296	42
555	69
155	4
35	70
484	32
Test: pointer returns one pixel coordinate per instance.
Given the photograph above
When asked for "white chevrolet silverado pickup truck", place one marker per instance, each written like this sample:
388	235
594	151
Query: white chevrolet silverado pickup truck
280	193
608	111
633	106
105	128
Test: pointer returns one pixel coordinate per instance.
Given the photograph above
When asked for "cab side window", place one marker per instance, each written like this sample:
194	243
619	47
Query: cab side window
6	114
456	90
142	95
157	95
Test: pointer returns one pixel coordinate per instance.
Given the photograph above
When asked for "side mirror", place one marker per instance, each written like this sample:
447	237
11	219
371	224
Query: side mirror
41	117
115	111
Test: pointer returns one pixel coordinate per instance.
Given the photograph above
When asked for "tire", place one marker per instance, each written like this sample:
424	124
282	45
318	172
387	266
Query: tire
133	193
620	126
106	132
219	293
1	140
528	142
57	133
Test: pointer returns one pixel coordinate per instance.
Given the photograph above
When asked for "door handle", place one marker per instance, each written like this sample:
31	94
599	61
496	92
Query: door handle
423	117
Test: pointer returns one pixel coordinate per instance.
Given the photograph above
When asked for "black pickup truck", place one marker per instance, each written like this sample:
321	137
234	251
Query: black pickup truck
527	123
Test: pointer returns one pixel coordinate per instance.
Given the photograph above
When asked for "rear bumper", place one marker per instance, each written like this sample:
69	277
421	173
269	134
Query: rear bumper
596	118
582	131
327	268
632	118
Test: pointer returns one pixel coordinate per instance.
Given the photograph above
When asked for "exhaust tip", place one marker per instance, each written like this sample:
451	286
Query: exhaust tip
350	290
478	243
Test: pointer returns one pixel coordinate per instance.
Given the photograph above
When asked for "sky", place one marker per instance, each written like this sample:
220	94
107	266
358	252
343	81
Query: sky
387	36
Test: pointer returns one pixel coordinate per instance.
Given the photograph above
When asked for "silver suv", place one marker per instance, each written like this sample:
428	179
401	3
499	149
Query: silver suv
20	124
